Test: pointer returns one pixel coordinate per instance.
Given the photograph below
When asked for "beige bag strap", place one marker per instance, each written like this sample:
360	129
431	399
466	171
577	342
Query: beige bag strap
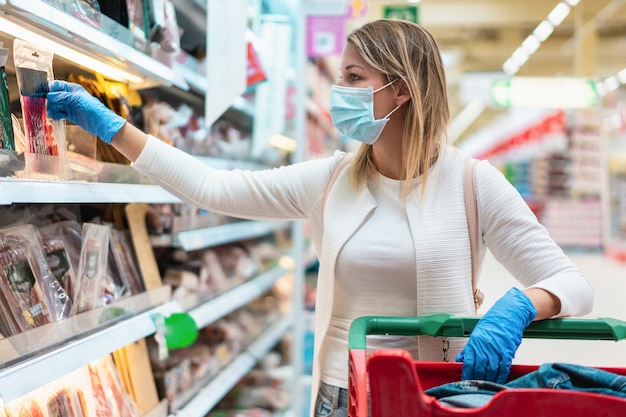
342	164
472	223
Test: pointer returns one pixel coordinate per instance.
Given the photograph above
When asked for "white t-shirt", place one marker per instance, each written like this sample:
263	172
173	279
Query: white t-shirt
378	259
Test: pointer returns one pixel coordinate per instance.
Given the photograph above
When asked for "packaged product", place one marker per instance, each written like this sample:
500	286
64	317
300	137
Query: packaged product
30	295
92	268
46	150
62	242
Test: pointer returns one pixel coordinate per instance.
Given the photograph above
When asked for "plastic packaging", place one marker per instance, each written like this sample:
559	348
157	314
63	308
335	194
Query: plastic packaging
124	265
164	26
92	268
30	294
46	146
6	125
62	243
86	10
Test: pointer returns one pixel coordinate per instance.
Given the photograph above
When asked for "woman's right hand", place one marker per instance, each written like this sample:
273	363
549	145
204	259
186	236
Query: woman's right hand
72	102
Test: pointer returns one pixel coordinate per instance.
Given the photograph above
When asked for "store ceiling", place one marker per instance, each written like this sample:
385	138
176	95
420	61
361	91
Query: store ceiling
482	34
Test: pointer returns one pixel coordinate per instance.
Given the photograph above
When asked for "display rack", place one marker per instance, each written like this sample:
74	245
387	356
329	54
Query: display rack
52	23
68	345
56	349
199	401
195	239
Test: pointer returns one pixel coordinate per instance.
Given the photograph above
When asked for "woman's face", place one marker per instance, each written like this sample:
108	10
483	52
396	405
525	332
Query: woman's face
354	72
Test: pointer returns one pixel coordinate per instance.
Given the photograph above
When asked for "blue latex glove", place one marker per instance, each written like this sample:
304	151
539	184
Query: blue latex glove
72	102
489	352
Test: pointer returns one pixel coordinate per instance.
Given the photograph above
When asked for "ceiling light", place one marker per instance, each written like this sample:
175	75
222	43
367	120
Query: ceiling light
572	2
531	44
621	76
519	57
510	68
544	30
79	58
611	83
558	14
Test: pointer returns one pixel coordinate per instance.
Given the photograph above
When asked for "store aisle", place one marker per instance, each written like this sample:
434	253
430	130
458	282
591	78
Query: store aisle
608	278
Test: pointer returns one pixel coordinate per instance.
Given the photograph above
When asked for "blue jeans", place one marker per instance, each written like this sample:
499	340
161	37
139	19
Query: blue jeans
331	401
551	375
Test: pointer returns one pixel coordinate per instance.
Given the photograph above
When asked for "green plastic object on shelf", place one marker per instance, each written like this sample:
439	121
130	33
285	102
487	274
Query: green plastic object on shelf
178	330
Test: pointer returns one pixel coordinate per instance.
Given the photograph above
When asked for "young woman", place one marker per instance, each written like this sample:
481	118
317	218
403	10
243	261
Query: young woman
392	235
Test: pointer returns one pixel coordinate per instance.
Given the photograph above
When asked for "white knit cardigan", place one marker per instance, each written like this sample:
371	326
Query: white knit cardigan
438	225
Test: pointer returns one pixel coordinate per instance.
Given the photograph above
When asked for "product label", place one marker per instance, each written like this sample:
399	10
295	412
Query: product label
20	276
59	263
91	264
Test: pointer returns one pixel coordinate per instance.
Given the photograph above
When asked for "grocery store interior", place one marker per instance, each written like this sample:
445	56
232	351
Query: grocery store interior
119	299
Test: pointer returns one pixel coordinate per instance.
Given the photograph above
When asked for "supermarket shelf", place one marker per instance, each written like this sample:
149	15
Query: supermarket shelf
16	191
270	337
239	296
191	240
76	34
205	399
73	350
92	182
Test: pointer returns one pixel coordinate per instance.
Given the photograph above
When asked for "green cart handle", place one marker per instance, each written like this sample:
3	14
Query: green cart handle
462	326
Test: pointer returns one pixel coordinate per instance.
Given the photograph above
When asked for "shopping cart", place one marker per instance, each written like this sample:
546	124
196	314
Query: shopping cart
397	382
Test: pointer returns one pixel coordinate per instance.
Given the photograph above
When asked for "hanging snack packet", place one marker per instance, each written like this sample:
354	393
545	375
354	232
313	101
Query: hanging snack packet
92	268
6	125
46	149
30	296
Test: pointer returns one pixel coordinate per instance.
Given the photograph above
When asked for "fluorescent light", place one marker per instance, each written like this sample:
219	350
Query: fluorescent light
79	58
519	57
611	83
572	2
413	1
531	44
621	76
509	67
543	30
558	14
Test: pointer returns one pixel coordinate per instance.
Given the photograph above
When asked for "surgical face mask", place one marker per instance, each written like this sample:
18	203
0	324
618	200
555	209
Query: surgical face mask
352	112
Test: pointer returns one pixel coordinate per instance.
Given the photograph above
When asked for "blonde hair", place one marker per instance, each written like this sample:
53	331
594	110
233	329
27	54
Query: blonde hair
403	50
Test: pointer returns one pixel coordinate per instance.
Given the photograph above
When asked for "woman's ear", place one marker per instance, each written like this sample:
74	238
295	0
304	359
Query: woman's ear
403	94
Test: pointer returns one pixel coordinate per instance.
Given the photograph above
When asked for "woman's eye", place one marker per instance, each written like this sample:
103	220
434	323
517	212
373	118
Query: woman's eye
354	77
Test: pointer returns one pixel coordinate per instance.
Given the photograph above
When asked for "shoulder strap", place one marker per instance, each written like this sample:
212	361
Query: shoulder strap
342	164
472	223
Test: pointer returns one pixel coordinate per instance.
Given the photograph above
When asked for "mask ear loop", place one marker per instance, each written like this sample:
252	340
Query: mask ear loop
385	86
392	111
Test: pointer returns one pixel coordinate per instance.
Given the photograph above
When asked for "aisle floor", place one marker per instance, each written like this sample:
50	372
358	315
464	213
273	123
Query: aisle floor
608	278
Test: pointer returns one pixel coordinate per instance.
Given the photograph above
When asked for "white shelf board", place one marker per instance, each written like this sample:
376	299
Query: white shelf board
221	384
190	240
231	300
15	191
18	379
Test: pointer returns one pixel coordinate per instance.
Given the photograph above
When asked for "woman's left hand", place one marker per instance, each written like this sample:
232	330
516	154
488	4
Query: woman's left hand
491	348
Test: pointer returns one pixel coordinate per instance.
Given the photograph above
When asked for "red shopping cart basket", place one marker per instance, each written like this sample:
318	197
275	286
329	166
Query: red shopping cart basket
397	382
